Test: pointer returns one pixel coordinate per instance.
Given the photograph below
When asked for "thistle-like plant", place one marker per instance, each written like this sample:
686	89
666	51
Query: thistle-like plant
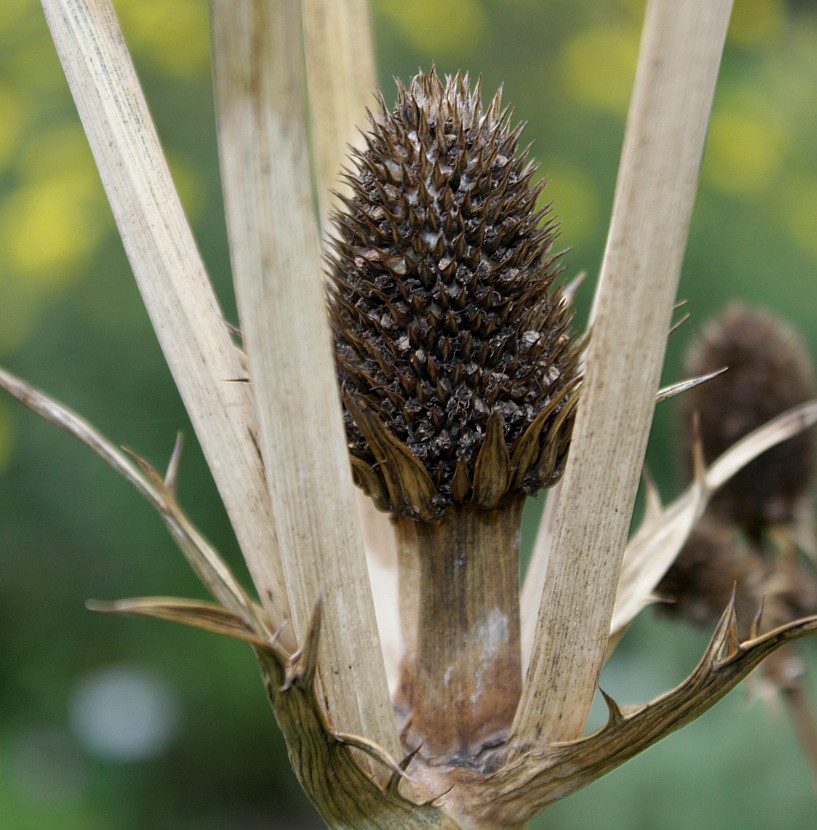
454	478
751	540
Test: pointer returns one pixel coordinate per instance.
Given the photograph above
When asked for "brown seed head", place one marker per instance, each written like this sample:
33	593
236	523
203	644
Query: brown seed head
769	373
714	561
458	375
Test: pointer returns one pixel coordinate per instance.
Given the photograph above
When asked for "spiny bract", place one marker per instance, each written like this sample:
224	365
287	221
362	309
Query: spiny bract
459	379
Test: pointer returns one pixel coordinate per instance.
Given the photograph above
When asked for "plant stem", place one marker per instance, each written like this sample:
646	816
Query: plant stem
462	673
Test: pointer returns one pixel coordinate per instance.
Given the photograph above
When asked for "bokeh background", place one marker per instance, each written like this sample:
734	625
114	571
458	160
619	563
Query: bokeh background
132	724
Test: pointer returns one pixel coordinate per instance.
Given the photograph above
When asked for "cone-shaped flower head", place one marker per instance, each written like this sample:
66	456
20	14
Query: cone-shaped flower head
458	375
769	372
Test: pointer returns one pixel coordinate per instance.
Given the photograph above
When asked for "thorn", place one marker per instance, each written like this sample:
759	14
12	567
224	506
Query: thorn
732	639
98	605
236	380
678	323
234	330
614	716
569	290
398	775
682	386
308	658
720	637
303	662
145	466
432	801
754	631
173	464
276	635
373	751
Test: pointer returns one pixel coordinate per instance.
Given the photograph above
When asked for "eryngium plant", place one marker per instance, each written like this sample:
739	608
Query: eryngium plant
450	338
277	451
459	381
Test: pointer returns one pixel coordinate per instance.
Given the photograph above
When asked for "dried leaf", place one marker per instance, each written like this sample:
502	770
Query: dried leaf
205	615
537	778
657	542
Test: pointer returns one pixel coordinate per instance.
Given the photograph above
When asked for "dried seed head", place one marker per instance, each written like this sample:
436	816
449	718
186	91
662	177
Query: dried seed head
714	561
458	375
717	559
769	372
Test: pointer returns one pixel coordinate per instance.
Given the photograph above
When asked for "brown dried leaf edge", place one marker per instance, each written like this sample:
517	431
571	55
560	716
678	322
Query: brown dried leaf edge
343	794
505	797
537	776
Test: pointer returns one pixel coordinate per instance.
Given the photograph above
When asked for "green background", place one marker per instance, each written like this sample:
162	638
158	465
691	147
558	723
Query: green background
72	323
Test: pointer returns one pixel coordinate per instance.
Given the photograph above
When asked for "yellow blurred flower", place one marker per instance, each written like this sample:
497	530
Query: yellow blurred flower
744	151
48	230
51	223
598	67
438	29
172	34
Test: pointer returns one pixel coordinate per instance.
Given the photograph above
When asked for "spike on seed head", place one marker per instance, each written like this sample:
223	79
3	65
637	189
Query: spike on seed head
448	329
768	373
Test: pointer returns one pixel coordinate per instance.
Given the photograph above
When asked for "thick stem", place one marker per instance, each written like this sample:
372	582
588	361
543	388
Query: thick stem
461	676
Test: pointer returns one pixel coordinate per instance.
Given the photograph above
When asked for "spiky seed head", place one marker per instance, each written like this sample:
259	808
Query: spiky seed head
717	559
714	561
459	377
769	372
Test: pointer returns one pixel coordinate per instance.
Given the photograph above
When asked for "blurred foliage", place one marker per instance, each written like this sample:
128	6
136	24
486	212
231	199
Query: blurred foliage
71	321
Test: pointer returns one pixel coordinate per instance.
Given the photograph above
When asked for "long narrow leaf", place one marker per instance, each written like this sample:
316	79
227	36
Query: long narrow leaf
675	80
170	273
275	253
340	69
341	78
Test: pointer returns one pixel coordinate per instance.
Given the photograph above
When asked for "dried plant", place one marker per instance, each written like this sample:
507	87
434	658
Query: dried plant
450	338
756	529
769	372
440	261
